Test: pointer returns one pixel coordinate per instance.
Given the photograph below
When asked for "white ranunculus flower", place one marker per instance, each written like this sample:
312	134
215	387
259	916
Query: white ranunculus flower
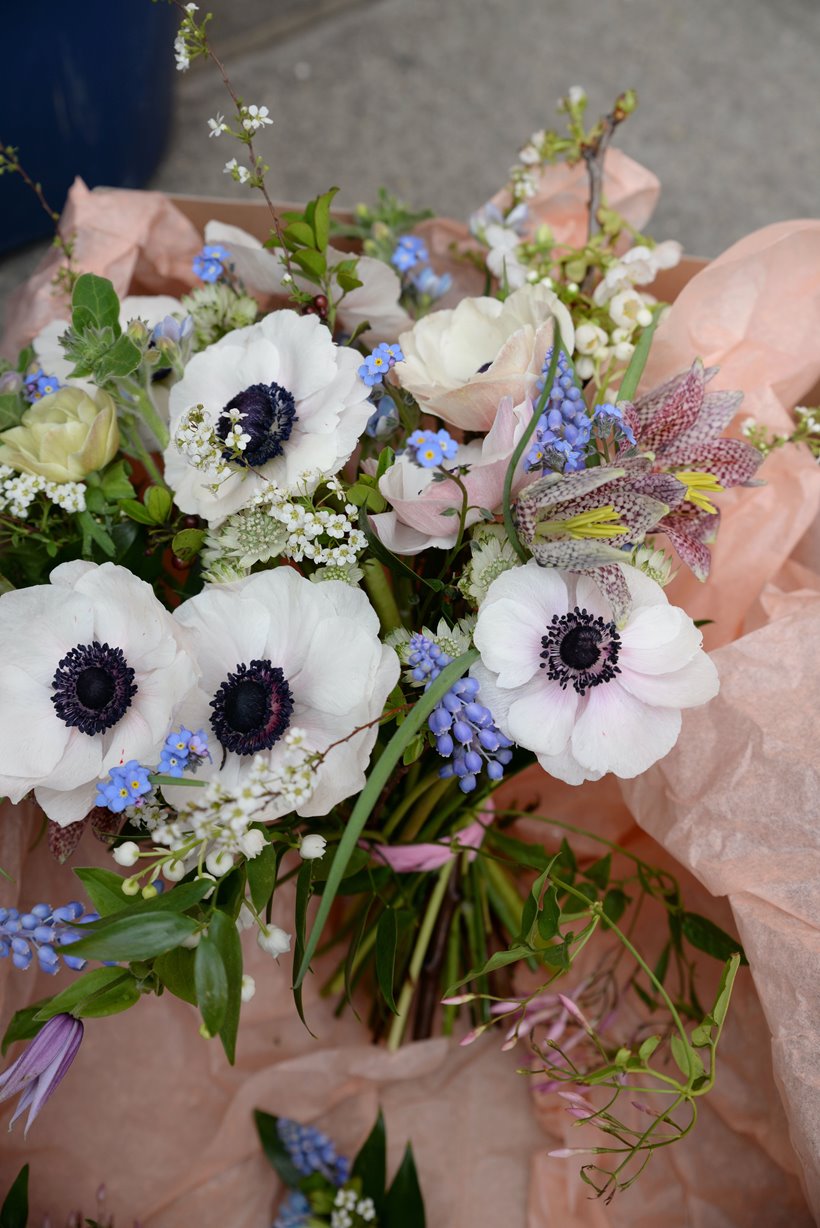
587	696
300	399
459	363
94	671
277	651
376	300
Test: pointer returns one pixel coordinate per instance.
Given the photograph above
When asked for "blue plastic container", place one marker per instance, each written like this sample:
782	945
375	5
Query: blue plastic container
86	89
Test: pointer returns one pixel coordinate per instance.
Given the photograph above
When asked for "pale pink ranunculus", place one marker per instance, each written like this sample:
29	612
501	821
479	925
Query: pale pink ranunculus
460	363
562	196
419	518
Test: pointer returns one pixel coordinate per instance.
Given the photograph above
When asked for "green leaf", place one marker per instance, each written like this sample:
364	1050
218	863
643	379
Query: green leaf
261	871
615	902
518	851
321	218
157	500
633	373
686	1059
23	1025
176	971
387	458
724	993
135	937
301	944
518	452
95	298
211	982
379	776
404	1205
14	1211
91	986
103	888
370	1165
135	510
179	899
549	915
323	866
313	263
123	357
299	234
275	1151
188	543
557	956
115	483
600	871
706	936
223	932
648	1047
12	408
387	933
92	531
501	959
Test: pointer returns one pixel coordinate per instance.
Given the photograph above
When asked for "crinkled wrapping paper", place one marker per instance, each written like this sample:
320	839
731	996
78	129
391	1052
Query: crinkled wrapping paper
157	1113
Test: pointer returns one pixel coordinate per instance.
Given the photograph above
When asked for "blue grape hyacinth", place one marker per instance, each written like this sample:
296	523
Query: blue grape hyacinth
42	934
311	1151
468	737
564	428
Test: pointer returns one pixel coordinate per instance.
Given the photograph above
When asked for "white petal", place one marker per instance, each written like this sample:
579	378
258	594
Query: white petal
32	736
508	635
617	733
567	768
542	717
65	807
658	639
695	683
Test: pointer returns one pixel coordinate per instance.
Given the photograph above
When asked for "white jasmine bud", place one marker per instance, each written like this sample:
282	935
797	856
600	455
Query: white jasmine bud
219	863
312	847
248	988
274	940
126	854
253	842
173	870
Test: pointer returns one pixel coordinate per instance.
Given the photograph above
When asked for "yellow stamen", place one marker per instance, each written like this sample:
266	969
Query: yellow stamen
698	486
598	522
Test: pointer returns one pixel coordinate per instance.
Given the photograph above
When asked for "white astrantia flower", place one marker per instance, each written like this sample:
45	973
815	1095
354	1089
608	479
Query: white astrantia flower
296	396
586	695
94	671
460	363
269	650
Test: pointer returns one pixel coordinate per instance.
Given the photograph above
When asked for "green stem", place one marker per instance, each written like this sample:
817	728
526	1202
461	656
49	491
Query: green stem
529	431
381	595
137	449
401	1019
404	805
424	807
633	373
148	411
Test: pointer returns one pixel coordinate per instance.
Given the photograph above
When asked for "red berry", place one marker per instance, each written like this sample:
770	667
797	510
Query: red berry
320	303
178	564
190	522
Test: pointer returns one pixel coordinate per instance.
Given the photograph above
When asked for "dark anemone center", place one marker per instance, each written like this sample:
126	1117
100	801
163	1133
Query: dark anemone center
485	366
252	708
267	413
580	647
93	688
580	650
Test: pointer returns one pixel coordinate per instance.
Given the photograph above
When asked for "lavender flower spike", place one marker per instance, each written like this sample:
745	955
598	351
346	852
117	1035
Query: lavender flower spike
41	1066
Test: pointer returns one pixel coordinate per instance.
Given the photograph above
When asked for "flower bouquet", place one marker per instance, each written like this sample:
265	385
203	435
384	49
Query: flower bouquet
324	585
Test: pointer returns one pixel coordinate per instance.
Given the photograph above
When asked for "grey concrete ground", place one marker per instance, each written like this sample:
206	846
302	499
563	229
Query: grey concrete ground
433	97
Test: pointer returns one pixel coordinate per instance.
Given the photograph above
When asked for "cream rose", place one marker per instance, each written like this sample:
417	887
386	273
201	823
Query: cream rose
63	437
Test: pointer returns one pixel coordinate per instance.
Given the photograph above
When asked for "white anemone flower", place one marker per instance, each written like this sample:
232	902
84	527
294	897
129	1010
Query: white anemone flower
94	671
586	695
300	402
277	652
460	363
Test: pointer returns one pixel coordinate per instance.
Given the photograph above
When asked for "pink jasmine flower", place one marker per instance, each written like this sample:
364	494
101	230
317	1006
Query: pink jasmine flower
41	1066
586	693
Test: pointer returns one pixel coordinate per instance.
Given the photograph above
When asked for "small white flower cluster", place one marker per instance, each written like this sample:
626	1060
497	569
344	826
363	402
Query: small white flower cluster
347	1204
276	523
196	438
19	490
215	827
239	173
182	50
253	118
626	307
